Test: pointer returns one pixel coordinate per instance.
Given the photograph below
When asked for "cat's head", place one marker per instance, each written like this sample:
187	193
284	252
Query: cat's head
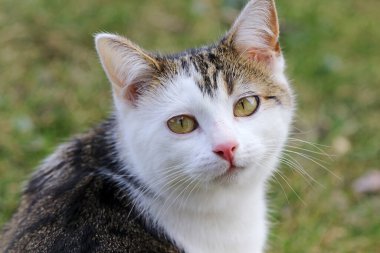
217	115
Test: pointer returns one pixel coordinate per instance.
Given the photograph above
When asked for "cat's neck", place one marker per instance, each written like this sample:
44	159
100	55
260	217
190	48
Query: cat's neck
206	221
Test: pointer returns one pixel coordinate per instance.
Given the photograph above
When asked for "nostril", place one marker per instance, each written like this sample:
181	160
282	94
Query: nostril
219	153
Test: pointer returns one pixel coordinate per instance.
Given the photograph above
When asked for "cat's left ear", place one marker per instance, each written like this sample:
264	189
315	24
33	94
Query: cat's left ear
255	32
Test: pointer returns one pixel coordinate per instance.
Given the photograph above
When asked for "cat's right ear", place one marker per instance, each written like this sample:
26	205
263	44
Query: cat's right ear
128	67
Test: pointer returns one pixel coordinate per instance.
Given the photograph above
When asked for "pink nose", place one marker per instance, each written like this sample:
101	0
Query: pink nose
226	151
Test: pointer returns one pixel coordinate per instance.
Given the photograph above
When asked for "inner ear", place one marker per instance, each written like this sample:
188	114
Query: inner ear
262	55
131	93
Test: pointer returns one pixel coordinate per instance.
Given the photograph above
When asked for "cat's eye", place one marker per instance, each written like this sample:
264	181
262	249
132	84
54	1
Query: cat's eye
182	124
246	106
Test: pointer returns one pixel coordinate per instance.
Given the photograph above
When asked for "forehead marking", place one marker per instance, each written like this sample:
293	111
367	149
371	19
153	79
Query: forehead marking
207	81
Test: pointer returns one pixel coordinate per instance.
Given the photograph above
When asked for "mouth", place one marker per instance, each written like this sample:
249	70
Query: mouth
230	173
232	169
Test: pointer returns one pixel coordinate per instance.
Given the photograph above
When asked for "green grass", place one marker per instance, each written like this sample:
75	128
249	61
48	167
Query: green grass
52	86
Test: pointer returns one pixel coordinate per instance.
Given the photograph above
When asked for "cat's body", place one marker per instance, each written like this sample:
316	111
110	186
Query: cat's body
182	165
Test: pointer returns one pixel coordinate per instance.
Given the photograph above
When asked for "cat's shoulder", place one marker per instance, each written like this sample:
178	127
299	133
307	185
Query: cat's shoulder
70	204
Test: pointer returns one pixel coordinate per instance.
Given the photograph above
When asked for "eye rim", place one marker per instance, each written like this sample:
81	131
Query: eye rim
195	126
258	102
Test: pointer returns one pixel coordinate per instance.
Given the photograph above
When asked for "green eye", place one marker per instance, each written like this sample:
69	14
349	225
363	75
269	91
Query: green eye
182	124
246	106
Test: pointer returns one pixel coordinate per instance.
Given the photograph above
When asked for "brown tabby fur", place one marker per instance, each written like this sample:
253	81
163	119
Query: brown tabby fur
69	206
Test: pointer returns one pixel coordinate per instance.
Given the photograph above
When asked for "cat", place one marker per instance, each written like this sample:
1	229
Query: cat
182	163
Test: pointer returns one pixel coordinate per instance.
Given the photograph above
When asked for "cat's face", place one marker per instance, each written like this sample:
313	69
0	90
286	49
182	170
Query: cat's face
218	115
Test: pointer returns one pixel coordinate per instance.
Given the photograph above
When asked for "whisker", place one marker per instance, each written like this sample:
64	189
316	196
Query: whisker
195	186
166	204
315	161
293	163
310	151
316	145
284	178
282	188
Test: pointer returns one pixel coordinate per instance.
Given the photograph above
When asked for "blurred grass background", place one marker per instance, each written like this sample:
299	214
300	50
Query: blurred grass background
52	86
